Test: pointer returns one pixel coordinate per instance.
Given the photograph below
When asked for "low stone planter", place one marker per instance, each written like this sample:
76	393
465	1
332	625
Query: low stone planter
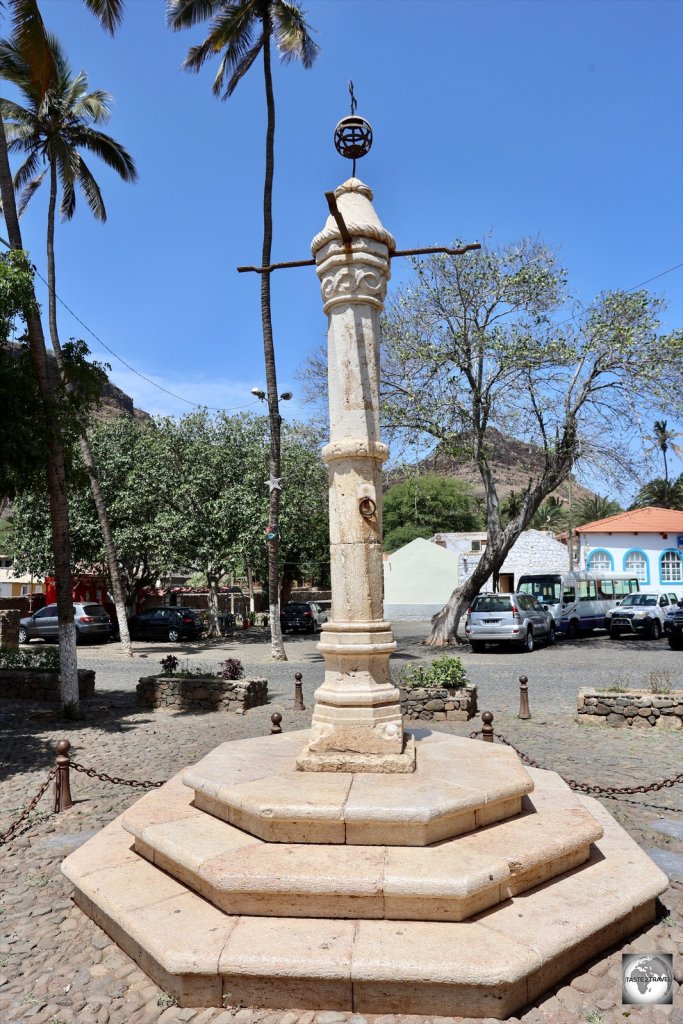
209	694
634	709
41	684
438	704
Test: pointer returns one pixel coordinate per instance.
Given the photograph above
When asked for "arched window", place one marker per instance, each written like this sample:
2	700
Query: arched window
600	561
670	567
635	563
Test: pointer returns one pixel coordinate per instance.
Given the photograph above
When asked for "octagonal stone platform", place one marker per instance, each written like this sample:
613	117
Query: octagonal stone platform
478	925
457	787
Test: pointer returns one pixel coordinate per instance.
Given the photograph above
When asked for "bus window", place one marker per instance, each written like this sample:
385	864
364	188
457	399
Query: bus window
606	588
568	595
587	590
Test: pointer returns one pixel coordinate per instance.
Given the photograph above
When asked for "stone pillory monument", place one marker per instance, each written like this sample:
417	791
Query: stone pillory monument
360	866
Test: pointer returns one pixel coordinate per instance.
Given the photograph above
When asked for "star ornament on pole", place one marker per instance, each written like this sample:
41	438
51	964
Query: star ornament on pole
274	483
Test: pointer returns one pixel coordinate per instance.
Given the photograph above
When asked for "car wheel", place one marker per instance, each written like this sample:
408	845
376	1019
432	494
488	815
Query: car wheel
174	635
528	641
552	634
23	635
614	634
573	630
478	646
655	630
675	642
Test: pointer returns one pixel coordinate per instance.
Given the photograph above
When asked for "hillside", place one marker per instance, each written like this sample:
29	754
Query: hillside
512	463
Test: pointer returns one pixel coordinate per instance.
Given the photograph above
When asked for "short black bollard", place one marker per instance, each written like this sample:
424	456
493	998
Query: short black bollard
524	698
276	728
63	799
298	693
487	727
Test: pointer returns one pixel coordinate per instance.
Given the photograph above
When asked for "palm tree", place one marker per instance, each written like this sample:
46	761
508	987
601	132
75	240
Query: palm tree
50	131
660	493
30	32
665	440
590	509
551	515
240	30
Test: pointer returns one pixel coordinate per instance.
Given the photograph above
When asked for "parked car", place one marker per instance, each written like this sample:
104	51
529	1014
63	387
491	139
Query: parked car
645	612
508	618
673	627
302	617
166	624
91	621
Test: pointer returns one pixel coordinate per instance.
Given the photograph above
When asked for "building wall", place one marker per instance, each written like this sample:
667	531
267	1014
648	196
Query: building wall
533	551
618	546
418	580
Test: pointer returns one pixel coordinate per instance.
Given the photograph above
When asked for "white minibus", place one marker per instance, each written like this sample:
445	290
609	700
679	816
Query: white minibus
578	600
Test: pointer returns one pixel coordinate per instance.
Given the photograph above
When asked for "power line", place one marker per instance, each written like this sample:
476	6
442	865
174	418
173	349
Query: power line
149	380
631	289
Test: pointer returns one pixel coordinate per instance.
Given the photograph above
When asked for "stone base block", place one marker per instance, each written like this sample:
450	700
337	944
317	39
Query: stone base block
348	761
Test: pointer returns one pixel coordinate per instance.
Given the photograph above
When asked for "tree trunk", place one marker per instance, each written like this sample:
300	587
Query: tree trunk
250	589
56	470
286	590
277	646
84	443
213	605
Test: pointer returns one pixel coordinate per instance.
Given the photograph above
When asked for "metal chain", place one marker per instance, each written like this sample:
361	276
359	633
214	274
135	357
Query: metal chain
92	774
584	787
12	830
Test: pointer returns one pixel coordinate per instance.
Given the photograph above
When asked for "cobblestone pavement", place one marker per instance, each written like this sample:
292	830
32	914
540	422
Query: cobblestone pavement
57	967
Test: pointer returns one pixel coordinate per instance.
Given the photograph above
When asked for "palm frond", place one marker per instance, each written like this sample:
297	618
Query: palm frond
28	170
13	67
30	39
230	31
109	13
94	107
28	191
90	190
293	34
186	13
243	66
107	149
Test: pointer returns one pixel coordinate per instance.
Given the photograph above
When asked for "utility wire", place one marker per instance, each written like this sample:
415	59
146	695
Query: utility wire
631	289
149	380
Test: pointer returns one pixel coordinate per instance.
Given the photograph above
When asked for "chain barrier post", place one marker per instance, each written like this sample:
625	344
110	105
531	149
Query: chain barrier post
298	693
276	728
524	712
63	799
487	727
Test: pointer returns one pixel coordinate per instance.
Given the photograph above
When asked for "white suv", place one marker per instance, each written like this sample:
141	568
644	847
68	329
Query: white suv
642	612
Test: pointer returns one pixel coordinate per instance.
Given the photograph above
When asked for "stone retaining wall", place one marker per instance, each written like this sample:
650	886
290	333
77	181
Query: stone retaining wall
210	694
438	704
41	684
636	708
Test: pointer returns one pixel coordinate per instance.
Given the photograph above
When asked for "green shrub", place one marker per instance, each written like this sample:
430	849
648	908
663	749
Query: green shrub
38	657
446	672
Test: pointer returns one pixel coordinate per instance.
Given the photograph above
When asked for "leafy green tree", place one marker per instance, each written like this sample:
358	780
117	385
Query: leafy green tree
594	507
401	535
240	30
661	493
470	345
429	504
51	130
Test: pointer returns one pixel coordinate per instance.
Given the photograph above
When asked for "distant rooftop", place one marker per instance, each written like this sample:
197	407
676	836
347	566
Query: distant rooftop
639	520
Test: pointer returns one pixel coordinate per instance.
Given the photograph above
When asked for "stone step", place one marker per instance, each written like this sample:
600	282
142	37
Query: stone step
458	785
491	966
450	881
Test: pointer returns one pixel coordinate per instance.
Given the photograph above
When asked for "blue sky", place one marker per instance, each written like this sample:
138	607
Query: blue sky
560	120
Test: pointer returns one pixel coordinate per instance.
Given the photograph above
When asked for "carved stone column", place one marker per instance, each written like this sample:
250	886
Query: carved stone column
357	723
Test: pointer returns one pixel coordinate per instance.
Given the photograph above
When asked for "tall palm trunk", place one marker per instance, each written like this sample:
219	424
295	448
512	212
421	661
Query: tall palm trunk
277	646
56	470
84	443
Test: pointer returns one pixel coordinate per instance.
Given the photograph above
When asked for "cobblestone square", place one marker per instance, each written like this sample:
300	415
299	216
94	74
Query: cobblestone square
57	967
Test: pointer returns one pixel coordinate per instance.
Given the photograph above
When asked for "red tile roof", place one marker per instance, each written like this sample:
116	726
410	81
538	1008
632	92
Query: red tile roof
640	520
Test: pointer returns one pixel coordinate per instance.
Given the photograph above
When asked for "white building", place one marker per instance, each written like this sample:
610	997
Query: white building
533	551
418	580
647	542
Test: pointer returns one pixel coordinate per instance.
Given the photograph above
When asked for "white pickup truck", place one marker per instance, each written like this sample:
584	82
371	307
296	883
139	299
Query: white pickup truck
644	612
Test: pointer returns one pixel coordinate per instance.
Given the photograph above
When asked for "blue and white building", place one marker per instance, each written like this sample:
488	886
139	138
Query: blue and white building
647	542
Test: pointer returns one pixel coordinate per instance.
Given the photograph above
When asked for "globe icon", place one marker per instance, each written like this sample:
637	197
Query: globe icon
647	980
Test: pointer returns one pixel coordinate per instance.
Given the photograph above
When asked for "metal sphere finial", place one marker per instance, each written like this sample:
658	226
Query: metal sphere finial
353	134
